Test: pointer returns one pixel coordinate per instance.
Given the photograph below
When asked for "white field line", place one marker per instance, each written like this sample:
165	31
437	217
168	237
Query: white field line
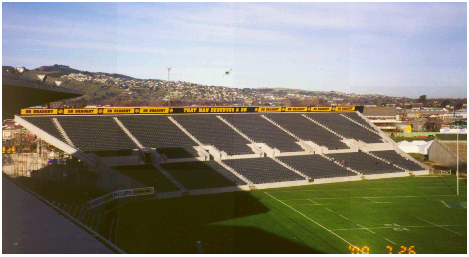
392	227
311	220
376	234
373	201
370	200
361	189
328	198
317	204
439	226
434	225
360	226
445	204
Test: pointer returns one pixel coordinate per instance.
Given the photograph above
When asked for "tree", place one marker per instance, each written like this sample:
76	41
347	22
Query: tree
422	99
445	103
432	125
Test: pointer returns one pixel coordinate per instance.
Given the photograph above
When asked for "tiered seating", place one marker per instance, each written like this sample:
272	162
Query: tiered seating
197	175
395	158
345	127
262	170
96	133
210	130
148	175
307	130
261	130
316	166
364	163
354	116
46	124
159	132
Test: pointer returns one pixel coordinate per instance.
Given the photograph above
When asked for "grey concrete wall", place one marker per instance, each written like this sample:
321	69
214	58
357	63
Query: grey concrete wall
281	184
437	153
335	180
218	190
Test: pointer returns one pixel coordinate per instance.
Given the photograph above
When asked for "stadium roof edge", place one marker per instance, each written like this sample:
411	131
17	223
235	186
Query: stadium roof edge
20	92
17	80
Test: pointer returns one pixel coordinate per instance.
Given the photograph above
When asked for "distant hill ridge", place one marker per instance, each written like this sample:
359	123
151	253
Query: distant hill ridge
65	70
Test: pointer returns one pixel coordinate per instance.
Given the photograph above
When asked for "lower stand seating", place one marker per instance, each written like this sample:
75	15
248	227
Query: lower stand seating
364	163
197	174
262	170
316	166
148	175
394	157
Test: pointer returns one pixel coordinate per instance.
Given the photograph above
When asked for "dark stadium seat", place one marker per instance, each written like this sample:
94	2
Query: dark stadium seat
396	158
316	166
345	127
262	170
210	130
148	175
307	130
110	153
261	130
354	116
96	133
159	132
198	175
364	163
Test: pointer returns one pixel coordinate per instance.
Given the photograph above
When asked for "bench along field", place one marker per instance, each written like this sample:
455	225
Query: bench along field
420	214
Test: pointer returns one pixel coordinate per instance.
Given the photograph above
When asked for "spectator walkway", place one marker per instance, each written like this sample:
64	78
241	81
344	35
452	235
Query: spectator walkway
29	226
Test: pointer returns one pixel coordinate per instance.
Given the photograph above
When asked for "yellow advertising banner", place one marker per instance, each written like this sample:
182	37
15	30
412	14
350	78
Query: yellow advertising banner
296	109
143	191
80	111
345	108
154	110
222	109
38	111
270	109
119	110
321	109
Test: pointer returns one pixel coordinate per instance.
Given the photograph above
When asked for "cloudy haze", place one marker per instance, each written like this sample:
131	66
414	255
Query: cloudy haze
397	49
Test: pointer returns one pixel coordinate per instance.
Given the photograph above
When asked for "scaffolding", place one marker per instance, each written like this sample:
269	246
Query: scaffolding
40	160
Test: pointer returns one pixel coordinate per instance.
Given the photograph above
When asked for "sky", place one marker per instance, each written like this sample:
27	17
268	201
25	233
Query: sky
395	49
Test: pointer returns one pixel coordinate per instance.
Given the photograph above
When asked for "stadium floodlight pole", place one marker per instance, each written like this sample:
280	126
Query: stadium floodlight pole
169	68
457	163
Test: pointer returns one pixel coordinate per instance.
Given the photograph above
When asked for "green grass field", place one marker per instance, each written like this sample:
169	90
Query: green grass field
409	215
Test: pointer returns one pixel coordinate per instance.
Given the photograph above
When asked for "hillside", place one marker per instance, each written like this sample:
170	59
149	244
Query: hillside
117	89
58	70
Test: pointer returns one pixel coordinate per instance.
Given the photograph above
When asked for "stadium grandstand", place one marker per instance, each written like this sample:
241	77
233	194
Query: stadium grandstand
204	150
200	168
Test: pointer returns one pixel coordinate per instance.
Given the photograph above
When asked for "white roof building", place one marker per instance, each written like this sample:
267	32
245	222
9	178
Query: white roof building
417	146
